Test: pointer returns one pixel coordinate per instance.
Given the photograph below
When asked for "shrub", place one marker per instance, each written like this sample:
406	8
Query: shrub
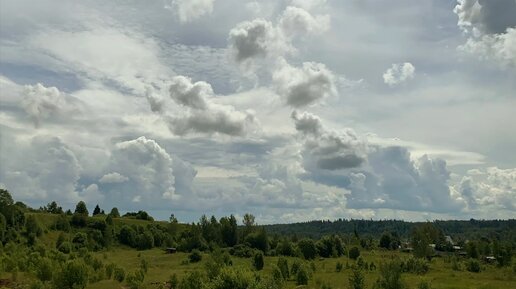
302	276
74	275
110	268
356	279
424	285
173	281
230	278
354	253
44	270
135	279
295	267
416	266
193	280
195	256
307	248
258	261
119	274
65	247
338	267
473	266
390	276
283	267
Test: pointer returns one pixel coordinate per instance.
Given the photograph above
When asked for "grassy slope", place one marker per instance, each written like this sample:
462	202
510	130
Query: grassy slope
162	266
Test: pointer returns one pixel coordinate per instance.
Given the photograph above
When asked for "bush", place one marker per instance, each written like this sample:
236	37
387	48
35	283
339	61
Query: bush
44	270
110	269
338	267
74	275
119	274
473	266
354	253
416	266
258	261
195	256
193	280
283	267
135	279
390	276
356	279
307	248
302	276
230	278
65	247
173	281
424	285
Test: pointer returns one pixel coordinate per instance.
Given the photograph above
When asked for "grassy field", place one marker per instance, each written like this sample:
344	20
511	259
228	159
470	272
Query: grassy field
441	276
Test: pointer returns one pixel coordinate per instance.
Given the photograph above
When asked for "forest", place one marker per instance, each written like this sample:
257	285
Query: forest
49	247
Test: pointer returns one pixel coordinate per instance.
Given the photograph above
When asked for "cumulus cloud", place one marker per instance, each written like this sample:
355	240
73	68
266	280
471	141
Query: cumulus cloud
376	176
398	73
113	177
147	172
490	26
41	102
298	21
189	94
256	39
327	150
493	187
44	169
259	38
199	113
189	10
305	85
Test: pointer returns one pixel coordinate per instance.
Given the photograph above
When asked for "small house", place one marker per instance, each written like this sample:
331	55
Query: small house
171	250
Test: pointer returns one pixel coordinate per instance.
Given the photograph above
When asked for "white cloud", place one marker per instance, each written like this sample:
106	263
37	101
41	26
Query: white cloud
304	86
398	73
199	113
491	29
41	168
113	177
298	21
258	38
189	10
493	187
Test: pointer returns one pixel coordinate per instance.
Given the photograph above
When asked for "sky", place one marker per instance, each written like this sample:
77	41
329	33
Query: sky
291	110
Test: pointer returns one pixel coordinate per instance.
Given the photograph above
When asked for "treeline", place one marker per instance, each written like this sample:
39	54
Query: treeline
22	248
471	229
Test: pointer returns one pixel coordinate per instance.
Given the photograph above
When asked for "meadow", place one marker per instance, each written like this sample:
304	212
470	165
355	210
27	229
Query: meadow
48	248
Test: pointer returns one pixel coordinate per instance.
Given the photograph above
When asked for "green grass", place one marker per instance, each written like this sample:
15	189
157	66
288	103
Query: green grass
441	276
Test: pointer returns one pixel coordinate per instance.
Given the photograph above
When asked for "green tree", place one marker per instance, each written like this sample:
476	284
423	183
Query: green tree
302	276
283	267
195	256
385	241
119	274
258	261
307	248
192	280
74	275
3	227
135	279
32	226
96	211
228	228
390	276
356	279
114	213
354	253
249	223
81	209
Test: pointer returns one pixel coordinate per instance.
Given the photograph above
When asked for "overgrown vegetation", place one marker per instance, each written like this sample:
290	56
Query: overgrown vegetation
51	248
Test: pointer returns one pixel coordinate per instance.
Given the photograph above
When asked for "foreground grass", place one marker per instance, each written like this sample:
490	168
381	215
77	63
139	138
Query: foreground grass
441	276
